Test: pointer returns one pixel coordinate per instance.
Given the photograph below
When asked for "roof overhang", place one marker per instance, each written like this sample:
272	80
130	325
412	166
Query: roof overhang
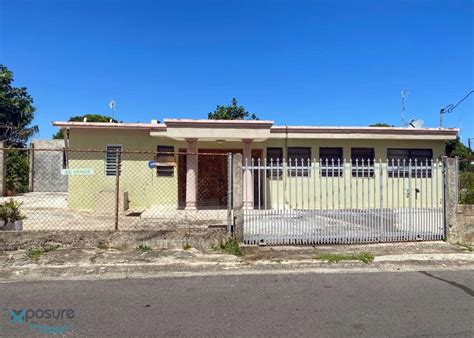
393	133
261	130
109	125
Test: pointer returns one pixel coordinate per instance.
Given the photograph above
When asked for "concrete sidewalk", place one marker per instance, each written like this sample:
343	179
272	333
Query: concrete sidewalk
95	263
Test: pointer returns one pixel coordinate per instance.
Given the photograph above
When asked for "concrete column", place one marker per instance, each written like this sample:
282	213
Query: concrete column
237	195
191	173
247	175
3	171
451	181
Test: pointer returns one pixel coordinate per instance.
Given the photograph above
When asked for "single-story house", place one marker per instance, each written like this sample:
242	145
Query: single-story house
192	182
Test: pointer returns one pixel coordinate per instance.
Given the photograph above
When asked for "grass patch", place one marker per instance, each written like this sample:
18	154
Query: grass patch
466	247
35	253
364	257
143	248
231	246
187	246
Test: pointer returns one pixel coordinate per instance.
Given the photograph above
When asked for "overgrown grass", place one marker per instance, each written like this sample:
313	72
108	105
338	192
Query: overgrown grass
143	248
231	246
187	246
365	257
36	252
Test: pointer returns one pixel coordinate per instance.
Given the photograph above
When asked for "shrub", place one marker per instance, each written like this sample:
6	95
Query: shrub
17	171
10	211
466	191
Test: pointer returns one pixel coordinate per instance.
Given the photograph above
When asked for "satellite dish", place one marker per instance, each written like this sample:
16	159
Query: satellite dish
415	123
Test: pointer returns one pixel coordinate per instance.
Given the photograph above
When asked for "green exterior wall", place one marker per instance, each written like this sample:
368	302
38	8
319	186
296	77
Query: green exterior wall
146	189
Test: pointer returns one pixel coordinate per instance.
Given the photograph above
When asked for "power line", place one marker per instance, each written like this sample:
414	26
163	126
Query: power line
450	107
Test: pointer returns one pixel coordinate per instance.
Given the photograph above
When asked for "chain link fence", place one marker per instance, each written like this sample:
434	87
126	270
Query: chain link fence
112	189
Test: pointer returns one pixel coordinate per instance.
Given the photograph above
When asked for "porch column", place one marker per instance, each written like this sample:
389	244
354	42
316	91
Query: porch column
191	173
247	175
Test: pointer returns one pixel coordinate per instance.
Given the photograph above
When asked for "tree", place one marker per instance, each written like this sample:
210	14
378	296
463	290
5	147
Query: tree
80	118
231	112
380	124
457	148
16	111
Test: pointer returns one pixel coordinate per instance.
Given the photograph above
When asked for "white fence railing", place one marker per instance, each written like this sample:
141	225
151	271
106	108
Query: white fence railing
339	201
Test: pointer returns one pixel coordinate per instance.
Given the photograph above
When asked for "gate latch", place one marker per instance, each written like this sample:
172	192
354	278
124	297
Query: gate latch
417	191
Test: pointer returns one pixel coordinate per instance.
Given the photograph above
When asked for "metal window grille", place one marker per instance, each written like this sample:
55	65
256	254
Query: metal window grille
111	153
275	161
165	160
331	162
362	162
406	162
299	161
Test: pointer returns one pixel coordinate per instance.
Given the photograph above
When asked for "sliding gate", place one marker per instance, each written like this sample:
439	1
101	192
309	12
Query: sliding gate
356	201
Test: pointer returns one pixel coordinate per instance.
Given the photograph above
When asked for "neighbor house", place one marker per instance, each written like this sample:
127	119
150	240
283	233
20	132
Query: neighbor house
154	174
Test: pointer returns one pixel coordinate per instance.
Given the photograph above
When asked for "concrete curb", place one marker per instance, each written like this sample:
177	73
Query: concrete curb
394	263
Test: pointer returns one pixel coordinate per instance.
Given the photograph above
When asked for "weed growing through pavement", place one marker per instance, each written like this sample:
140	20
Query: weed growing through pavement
466	247
231	246
365	257
35	253
143	248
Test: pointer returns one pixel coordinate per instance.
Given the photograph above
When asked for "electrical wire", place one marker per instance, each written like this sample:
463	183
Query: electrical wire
449	108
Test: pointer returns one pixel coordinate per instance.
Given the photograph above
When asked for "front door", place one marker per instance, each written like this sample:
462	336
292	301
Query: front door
212	177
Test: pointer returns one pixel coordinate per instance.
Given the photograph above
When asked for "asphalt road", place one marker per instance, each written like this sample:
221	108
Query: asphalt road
340	304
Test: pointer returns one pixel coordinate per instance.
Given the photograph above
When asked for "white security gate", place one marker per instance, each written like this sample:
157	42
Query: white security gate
355	201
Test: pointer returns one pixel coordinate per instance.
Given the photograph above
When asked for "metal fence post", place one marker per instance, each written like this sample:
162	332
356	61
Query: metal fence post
117	187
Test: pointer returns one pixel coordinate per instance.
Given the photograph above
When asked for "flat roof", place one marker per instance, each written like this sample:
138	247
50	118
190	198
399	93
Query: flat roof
239	126
108	125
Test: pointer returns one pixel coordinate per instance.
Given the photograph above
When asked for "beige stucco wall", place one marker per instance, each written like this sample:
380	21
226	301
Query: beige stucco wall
145	188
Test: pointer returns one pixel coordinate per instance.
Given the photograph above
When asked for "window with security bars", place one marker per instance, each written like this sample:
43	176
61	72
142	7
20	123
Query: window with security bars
165	161
401	161
111	153
274	162
332	162
362	160
299	161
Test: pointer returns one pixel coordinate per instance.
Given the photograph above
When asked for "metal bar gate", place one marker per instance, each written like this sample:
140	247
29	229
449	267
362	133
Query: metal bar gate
307	202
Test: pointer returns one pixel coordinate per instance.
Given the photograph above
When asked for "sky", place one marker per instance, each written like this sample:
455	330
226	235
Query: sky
294	62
